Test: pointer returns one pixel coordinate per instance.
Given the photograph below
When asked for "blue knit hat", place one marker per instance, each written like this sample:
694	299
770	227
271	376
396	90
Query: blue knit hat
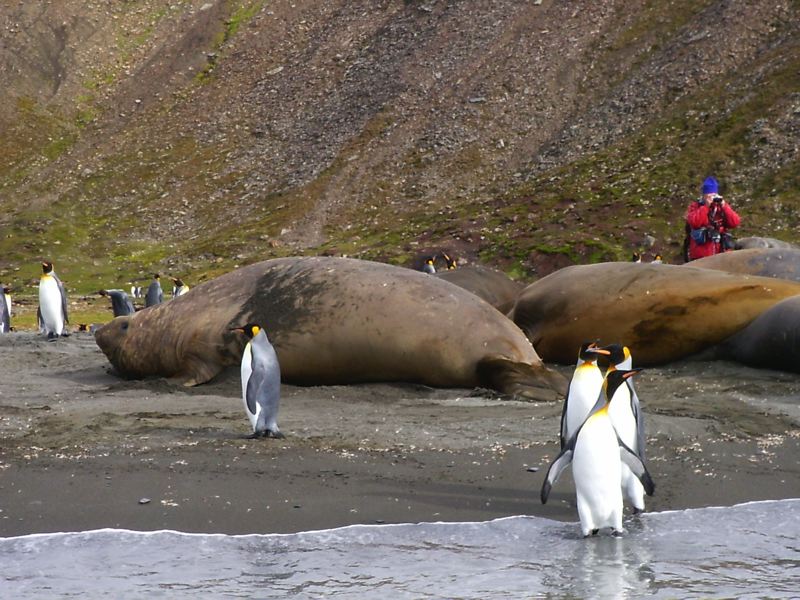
710	186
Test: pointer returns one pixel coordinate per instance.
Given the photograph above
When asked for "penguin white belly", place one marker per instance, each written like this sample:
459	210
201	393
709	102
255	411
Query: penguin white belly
625	425
50	306
596	468
247	370
586	384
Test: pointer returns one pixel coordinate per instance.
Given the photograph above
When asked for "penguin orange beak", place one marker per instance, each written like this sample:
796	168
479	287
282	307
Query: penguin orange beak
631	373
597	350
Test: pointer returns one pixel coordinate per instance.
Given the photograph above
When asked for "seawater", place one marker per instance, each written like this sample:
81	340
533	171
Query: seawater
745	551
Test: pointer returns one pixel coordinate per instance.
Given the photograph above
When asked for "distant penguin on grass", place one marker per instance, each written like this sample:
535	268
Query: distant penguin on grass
52	313
584	388
597	455
154	295
121	304
5	309
179	288
428	266
261	382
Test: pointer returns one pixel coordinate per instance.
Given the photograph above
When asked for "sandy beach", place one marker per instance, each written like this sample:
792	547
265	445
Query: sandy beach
83	449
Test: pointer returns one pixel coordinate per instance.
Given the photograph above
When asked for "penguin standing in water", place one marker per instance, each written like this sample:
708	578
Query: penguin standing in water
628	420
597	456
5	309
121	305
154	295
261	382
52	312
583	390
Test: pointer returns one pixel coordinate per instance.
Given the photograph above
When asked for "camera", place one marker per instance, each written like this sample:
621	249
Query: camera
717	198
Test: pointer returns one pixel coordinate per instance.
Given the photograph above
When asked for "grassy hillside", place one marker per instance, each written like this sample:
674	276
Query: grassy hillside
190	137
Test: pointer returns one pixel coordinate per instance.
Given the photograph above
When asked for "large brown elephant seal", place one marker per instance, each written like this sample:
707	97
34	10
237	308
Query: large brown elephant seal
497	288
747	243
772	340
782	263
661	312
333	320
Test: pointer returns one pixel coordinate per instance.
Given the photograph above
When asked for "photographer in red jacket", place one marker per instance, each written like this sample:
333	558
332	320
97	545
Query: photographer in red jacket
708	221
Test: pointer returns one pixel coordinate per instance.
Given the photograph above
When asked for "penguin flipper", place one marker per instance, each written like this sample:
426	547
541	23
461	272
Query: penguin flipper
637	467
563	435
533	382
63	298
636	410
557	467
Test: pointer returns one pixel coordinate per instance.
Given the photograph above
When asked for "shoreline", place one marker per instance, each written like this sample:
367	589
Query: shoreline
82	448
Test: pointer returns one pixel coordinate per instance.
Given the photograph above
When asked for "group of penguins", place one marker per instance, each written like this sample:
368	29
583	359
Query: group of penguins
602	427
261	376
122	305
602	436
53	315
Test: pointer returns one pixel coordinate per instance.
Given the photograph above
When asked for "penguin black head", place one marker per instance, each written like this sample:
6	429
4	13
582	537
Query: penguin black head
616	353
103	293
636	257
451	262
615	379
590	350
250	330
47	267
156	276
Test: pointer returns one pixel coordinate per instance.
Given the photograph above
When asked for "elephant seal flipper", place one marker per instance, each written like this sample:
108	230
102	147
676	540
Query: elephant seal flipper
521	379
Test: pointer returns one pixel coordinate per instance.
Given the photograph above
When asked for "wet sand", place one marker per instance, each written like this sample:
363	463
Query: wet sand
83	449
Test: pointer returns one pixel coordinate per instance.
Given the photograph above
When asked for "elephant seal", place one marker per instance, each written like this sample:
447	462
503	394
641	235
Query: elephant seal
332	321
661	312
747	243
771	341
781	263
497	288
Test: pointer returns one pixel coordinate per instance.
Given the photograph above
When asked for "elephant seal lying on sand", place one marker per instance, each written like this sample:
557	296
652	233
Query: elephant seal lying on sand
783	263
497	288
661	312
333	320
771	341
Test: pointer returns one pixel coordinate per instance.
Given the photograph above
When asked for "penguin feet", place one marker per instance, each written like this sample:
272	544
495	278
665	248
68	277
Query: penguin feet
65	334
51	336
637	511
266	434
617	533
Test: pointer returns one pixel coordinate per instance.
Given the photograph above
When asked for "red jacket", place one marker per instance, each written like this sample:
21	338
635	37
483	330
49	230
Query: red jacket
709	215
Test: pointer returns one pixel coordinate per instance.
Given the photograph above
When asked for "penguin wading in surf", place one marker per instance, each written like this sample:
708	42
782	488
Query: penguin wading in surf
597	455
261	382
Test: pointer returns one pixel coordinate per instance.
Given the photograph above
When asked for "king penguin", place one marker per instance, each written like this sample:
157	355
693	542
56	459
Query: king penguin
628	420
52	311
154	295
583	389
179	288
5	309
597	455
261	382
121	304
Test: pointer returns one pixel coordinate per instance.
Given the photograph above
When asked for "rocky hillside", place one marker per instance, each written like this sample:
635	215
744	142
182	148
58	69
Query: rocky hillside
189	136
